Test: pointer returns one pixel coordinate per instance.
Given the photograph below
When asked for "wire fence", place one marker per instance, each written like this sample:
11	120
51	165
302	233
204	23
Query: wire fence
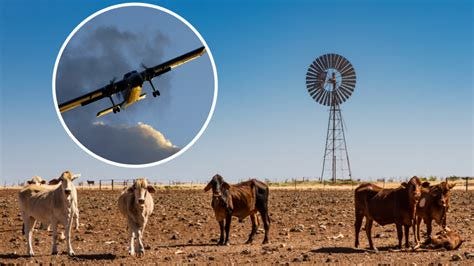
465	183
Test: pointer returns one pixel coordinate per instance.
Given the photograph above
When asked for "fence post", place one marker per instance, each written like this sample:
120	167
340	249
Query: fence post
112	185
467	183
100	184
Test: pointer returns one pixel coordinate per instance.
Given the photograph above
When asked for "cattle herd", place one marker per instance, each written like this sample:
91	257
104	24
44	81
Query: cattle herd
55	203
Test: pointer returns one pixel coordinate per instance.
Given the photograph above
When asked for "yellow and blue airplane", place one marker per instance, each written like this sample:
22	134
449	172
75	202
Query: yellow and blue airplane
130	86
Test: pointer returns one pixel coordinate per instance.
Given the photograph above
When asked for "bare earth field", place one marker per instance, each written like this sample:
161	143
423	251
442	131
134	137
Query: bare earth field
308	226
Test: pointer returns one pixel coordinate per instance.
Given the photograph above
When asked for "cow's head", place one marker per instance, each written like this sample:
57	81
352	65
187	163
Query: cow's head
65	179
140	188
413	187
440	193
36	180
220	192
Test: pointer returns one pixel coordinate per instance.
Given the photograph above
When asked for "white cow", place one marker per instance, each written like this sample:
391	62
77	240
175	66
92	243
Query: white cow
136	204
74	205
37	180
50	205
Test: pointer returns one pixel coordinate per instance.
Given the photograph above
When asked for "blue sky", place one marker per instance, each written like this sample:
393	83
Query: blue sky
411	112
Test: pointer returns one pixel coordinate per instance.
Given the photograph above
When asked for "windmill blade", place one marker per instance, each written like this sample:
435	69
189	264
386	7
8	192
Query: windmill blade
327	99
320	96
317	95
316	83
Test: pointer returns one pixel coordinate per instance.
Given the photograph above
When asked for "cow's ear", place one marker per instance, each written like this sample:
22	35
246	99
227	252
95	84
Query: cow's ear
43	182
29	182
209	185
151	189
225	185
450	186
425	184
404	184
131	189
54	181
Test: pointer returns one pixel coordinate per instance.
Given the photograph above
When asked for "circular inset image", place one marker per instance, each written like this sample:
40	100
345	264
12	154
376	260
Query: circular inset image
134	85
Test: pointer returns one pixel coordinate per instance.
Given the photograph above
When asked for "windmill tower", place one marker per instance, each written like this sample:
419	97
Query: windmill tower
330	81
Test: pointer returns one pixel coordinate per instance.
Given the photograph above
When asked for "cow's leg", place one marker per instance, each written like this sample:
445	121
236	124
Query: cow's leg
76	215
417	224
145	222
266	221
368	231
407	235
399	235
28	227
141	248
68	226
428	230
357	224
221	227
131	231
54	226
228	221
254	228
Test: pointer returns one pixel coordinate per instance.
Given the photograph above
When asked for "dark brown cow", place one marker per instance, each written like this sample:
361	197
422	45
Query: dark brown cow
240	200
433	205
386	206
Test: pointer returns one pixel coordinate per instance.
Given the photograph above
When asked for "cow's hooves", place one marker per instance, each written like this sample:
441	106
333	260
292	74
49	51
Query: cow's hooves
249	241
265	242
71	253
374	249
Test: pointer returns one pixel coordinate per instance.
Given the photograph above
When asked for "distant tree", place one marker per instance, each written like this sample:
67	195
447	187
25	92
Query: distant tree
453	178
423	179
432	178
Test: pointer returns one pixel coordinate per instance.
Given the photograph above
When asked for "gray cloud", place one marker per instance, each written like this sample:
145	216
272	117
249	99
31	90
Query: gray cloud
137	144
100	55
90	60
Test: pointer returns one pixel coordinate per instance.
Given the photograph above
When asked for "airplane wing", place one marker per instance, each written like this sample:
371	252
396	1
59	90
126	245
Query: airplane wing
91	97
147	75
152	72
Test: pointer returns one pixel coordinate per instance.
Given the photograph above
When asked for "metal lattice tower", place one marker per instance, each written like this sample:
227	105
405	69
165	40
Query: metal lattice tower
330	81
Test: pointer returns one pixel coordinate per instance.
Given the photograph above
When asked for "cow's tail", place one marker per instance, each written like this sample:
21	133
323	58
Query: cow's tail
267	193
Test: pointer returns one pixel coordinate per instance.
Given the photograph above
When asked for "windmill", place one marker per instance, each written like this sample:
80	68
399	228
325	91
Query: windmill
330	81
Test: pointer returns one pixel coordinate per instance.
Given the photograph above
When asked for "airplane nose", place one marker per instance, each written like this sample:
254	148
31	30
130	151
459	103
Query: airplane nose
141	201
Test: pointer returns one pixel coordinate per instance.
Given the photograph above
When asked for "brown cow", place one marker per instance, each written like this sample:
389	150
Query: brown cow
447	239
240	200
433	205
386	206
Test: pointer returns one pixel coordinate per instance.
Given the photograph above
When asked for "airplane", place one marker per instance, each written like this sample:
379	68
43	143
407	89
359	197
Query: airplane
130	86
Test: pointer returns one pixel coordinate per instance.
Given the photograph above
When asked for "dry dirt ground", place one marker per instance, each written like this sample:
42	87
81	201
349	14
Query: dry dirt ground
308	226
